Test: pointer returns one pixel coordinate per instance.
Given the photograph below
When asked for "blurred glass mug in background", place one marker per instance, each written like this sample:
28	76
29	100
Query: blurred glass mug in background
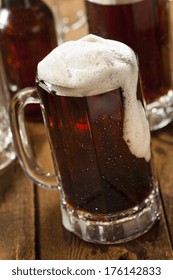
23	44
144	26
99	136
70	19
7	153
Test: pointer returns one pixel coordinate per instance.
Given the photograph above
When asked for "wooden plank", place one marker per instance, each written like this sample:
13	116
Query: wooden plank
57	243
17	234
163	153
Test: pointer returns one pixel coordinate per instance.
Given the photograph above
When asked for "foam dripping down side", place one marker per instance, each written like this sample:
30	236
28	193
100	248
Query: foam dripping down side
93	65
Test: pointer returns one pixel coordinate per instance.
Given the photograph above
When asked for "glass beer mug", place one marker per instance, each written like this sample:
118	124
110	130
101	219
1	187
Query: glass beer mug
144	25
99	136
70	19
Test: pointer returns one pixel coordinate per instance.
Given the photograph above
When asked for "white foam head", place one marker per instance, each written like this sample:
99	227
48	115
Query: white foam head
87	65
93	65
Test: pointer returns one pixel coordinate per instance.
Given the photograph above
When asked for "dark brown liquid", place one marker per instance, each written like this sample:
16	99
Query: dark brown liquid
98	172
144	27
27	35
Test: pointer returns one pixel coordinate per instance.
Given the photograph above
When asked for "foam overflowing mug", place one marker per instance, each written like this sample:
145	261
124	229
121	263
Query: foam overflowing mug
92	105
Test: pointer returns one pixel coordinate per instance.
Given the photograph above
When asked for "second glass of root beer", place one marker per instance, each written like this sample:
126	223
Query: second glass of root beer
99	136
145	26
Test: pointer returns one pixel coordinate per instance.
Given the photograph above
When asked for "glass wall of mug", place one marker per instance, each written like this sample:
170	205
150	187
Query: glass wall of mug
93	147
144	25
70	19
7	153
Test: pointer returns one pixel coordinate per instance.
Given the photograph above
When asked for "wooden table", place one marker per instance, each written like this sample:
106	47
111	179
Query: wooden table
30	218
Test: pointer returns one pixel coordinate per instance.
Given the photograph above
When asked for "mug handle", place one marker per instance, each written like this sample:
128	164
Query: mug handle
24	152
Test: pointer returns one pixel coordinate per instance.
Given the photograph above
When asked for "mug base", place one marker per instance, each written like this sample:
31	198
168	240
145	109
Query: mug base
160	112
113	228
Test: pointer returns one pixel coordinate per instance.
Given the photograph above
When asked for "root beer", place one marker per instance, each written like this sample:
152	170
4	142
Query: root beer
142	25
98	131
27	34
